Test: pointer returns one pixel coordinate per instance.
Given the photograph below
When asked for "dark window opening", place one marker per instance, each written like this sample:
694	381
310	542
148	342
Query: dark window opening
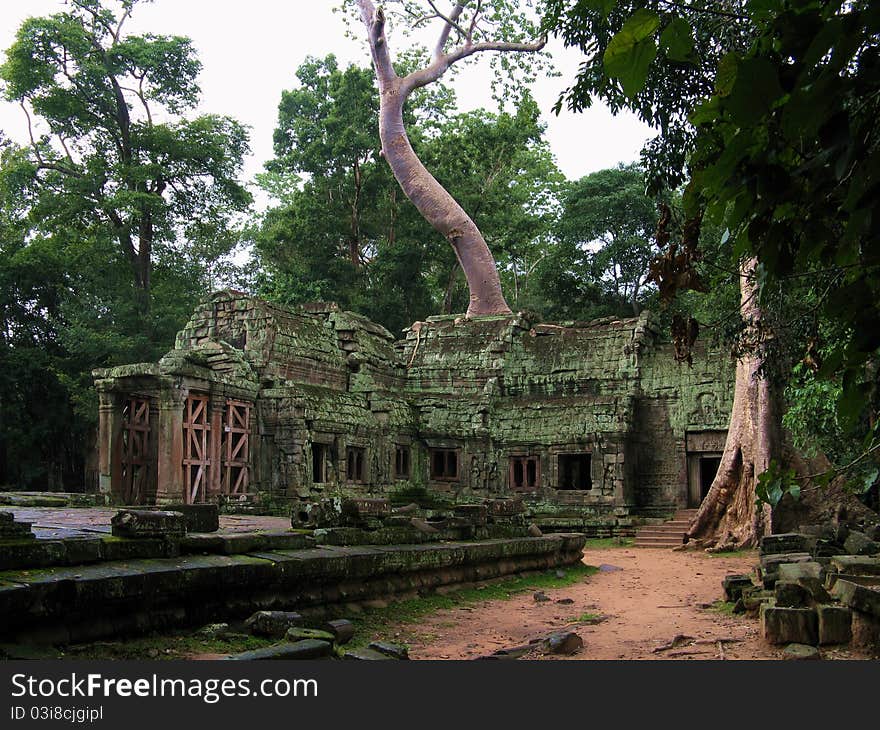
355	463
708	469
401	462
524	472
319	463
444	464
574	472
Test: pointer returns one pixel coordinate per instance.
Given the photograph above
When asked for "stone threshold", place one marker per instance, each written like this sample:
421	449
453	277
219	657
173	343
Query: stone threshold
89	602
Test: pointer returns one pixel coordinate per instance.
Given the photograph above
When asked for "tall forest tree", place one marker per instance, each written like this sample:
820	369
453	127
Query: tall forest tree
115	213
471	25
110	151
609	223
779	136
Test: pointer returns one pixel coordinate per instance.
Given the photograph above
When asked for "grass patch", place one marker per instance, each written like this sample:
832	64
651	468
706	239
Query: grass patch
171	645
723	607
606	543
588	618
739	553
398	621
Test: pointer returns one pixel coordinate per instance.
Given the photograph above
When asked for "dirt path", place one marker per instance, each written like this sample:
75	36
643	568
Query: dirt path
648	596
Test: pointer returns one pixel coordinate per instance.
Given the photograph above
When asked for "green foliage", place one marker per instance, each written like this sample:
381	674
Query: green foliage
774	109
774	483
653	57
344	230
113	221
606	235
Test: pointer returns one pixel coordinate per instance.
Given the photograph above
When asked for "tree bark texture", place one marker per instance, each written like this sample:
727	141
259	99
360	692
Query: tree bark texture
729	517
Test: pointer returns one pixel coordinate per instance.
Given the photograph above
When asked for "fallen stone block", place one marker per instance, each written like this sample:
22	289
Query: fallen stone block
475	514
214	631
198	517
365	655
733	586
835	624
790	595
393	651
273	623
800	651
793	572
815	589
858	543
789	542
342	630
566	642
305	649
861	598
789	625
358	510
535	531
298	633
855	565
505	507
148	523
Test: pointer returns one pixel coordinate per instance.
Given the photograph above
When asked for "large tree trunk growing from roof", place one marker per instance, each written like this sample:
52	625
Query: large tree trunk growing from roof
431	199
438	207
729	517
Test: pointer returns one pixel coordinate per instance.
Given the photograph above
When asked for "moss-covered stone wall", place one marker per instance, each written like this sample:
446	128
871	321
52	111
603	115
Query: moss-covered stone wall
603	397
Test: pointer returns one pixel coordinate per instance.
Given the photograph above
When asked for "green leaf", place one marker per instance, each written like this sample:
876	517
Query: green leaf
754	92
677	40
603	7
728	67
630	53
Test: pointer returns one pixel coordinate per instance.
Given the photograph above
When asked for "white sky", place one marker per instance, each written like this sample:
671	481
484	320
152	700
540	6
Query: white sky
250	50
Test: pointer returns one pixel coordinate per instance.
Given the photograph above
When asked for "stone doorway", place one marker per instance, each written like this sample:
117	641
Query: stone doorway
704	449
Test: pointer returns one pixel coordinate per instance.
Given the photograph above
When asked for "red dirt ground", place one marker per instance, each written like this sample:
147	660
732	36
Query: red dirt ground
655	596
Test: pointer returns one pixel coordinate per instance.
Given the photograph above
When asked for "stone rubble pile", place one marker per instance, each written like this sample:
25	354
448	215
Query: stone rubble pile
299	641
377	522
12	530
817	587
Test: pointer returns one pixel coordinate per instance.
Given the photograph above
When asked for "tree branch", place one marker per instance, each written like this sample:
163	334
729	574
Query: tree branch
374	20
431	73
448	24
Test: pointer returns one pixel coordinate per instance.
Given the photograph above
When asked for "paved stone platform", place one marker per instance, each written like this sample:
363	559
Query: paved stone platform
69	604
53	523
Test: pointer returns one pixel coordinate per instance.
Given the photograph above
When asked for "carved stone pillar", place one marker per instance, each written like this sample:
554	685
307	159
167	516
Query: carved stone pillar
170	485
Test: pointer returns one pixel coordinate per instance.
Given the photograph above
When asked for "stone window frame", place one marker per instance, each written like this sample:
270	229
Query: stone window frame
432	451
356	450
402	452
568	451
525	458
326	446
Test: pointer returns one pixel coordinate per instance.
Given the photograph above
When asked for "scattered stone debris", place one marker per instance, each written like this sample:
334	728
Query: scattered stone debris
800	651
605	568
392	651
564	642
273	623
565	601
817	587
677	641
342	630
540	597
148	523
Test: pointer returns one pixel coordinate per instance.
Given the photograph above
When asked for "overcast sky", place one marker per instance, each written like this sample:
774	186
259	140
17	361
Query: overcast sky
250	50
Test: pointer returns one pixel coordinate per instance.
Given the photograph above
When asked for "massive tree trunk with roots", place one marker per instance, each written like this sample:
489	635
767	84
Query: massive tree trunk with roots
729	516
431	199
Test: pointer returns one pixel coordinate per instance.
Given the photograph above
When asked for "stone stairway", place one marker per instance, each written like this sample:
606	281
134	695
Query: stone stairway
667	534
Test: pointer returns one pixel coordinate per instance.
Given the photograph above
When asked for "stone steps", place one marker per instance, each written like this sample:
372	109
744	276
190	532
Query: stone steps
669	534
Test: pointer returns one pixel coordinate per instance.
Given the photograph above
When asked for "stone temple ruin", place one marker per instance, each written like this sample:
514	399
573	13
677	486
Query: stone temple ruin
287	409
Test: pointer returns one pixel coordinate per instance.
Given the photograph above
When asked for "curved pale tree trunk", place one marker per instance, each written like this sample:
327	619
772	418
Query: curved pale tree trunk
431	199
729	517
